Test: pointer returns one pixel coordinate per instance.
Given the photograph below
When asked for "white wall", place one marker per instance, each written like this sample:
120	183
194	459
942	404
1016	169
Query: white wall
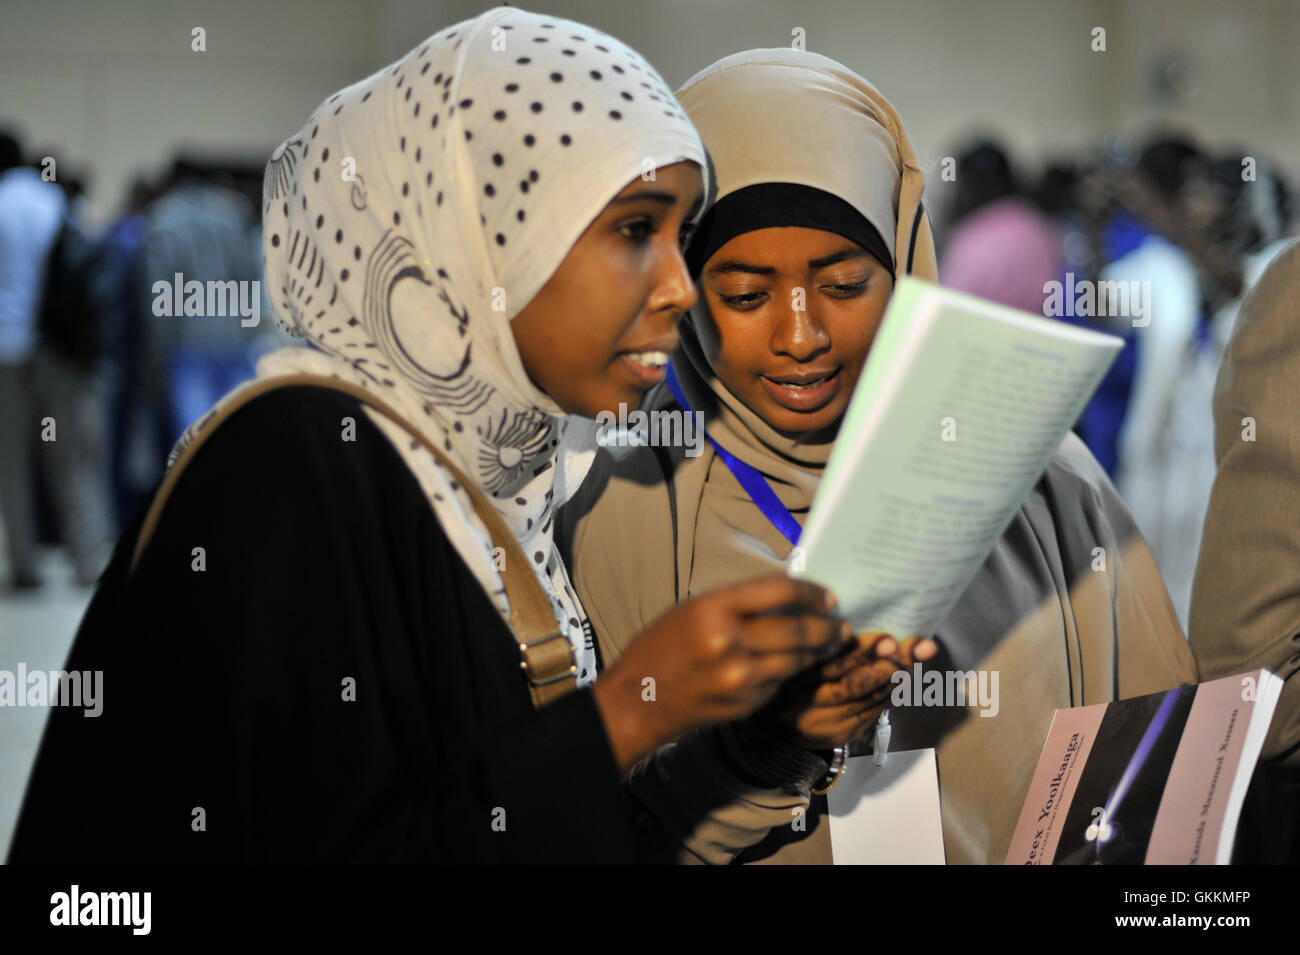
114	85
1242	71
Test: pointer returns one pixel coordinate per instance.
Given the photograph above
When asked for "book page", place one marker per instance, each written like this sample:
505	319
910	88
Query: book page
956	417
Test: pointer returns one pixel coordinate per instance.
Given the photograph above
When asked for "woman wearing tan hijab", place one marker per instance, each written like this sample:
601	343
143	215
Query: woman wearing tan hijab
819	208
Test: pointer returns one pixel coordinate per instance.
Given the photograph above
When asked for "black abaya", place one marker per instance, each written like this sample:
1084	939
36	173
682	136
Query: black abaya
329	683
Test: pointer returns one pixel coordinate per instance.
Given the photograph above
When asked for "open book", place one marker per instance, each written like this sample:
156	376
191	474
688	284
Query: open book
960	407
1158	779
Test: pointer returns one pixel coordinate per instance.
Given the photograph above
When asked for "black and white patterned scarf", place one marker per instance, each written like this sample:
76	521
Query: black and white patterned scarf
419	210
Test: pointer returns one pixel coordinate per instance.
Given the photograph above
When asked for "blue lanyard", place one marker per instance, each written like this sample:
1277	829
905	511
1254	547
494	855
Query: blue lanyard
760	492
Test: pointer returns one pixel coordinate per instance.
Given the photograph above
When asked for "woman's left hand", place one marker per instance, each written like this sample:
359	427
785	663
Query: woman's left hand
840	700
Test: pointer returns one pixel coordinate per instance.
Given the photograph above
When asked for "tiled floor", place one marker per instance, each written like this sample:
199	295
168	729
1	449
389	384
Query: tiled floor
36	628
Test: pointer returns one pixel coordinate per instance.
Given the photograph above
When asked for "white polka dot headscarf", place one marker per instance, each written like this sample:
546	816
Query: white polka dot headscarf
419	210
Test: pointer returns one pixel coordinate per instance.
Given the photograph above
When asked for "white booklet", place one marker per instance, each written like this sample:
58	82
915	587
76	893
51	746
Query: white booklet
887	815
960	407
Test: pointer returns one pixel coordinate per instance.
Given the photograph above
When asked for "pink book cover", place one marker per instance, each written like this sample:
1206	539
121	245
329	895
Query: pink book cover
1199	803
1153	779
1069	741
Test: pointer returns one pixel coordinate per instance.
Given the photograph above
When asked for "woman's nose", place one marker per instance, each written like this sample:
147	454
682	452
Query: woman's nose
682	293
799	334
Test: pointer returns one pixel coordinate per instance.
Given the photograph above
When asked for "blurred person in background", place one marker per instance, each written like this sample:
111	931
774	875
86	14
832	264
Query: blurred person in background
1067	196
1251	224
199	229
1166	459
70	386
1258	205
1001	247
1147	223
140	423
1171	178
31	214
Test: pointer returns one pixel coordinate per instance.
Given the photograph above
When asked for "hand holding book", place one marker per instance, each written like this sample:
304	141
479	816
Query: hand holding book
840	700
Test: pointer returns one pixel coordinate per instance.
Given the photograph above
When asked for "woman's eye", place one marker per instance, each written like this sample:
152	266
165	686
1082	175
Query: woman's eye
743	302
638	231
845	291
684	237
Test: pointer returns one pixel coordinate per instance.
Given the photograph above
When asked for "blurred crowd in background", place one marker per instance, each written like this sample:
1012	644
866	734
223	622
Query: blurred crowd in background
1185	228
83	350
96	386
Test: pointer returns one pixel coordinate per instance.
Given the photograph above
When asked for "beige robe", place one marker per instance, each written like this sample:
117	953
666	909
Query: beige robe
1069	609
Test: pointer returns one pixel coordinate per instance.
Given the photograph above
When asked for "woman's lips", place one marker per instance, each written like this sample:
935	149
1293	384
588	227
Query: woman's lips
805	398
645	375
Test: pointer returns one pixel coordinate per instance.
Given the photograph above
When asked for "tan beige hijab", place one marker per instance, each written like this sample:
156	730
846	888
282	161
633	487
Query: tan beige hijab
766	116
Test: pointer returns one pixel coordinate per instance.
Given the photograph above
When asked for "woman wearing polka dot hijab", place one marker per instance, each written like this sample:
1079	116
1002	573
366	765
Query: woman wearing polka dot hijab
312	657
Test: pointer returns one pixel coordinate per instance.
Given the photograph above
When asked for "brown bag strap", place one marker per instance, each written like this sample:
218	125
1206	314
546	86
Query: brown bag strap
546	656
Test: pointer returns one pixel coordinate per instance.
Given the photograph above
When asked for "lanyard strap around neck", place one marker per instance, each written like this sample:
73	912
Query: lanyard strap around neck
760	492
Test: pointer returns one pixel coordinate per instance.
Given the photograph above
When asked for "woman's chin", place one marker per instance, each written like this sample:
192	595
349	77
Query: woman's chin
802	423
614	401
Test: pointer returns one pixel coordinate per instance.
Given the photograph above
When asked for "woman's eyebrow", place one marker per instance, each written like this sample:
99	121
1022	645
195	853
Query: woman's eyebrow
843	255
733	266
667	198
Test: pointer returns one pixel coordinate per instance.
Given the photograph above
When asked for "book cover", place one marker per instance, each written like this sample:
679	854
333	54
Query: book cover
1156	779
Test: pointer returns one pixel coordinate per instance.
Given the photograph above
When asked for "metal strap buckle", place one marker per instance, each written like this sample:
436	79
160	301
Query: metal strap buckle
525	648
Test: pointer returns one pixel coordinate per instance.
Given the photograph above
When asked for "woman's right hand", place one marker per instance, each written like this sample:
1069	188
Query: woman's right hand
716	657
